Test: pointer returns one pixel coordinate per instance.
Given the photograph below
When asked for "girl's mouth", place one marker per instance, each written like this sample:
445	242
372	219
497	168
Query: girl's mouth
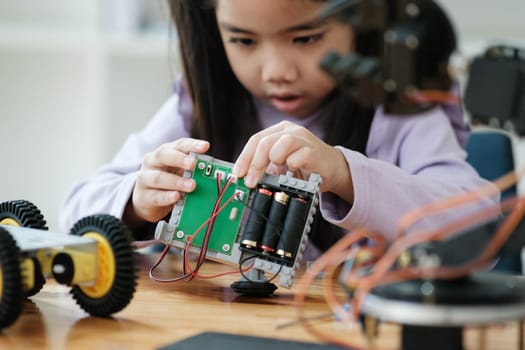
286	103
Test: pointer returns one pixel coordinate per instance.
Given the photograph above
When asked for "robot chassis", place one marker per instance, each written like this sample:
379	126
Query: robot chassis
96	260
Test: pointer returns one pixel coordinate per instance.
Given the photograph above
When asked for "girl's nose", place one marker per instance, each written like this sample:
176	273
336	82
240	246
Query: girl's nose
277	68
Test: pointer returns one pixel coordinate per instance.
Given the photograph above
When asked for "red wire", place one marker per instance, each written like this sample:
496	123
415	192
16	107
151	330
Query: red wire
210	222
207	234
157	263
433	96
247	268
217	209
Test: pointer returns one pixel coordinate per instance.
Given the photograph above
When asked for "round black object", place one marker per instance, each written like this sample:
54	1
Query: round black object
11	288
23	213
479	288
67	271
255	289
38	279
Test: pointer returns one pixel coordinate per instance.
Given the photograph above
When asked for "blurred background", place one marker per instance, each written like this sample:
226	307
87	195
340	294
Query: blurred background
76	77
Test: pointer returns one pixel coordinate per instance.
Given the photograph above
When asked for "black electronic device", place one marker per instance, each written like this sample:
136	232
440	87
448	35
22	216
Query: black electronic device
227	341
402	49
495	92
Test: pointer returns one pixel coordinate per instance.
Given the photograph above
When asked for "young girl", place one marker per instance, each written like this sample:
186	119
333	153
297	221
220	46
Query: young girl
253	93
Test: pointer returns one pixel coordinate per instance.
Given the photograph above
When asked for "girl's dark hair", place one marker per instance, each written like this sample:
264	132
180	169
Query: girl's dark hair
222	107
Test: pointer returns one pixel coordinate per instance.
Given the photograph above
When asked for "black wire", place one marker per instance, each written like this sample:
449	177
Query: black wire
157	263
244	260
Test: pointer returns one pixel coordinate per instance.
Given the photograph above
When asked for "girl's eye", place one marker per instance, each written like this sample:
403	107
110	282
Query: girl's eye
308	39
242	41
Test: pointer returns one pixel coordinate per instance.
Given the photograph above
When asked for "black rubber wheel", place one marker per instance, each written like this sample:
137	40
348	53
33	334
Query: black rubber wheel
21	213
116	269
11	290
26	214
39	279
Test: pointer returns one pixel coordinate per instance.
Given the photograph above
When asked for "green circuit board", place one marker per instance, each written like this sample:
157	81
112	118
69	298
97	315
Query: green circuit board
199	205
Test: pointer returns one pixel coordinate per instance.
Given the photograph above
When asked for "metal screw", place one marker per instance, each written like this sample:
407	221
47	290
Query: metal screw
412	41
412	9
427	288
390	36
389	85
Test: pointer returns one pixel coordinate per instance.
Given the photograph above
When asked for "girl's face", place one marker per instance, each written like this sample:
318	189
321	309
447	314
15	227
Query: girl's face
275	47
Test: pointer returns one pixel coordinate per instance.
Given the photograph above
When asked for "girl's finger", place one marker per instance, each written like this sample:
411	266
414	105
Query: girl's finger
163	180
285	145
245	159
187	145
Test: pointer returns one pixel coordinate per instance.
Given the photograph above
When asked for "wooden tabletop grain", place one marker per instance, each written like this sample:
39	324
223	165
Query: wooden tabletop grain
164	313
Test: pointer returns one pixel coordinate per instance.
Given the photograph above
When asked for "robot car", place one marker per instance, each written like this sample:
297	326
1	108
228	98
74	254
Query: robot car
96	260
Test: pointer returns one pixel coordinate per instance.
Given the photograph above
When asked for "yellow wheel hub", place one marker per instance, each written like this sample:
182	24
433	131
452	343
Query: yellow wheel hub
105	268
9	222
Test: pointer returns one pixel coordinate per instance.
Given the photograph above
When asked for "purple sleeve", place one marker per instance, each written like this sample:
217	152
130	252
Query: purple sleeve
411	161
109	188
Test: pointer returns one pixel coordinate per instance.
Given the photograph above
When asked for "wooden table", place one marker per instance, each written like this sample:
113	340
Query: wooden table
160	314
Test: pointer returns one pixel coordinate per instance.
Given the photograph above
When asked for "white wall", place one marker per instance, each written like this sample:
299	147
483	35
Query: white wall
72	87
487	20
43	126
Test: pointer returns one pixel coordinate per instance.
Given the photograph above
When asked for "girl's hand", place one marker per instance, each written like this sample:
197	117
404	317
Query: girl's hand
292	147
160	182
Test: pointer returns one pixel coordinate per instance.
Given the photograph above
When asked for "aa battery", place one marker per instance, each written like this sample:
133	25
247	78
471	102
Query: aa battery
254	228
293	228
272	231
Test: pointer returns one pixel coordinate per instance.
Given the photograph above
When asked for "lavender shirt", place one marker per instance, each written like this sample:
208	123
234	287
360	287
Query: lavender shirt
410	161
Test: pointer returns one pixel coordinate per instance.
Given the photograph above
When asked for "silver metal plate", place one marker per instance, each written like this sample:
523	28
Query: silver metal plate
30	239
412	313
